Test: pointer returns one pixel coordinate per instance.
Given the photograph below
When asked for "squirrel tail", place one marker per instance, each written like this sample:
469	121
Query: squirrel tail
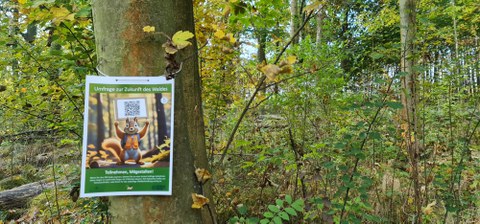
113	146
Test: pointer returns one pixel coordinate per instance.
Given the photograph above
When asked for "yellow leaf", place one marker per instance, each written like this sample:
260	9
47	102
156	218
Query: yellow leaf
429	209
170	49
271	71
180	39
59	12
291	59
148	29
233	40
39	15
312	7
199	201
202	175
22	2
219	34
229	37
410	200
70	17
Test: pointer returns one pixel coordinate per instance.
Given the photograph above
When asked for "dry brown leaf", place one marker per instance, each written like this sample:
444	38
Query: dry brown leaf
271	71
202	175
199	201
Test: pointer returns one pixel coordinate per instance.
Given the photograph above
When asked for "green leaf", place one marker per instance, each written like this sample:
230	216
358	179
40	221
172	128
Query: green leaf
375	135
288	199
84	12
394	105
279	203
273	208
252	220
277	220
376	55
291	211
264	221
242	209
298	205
180	39
284	216
268	214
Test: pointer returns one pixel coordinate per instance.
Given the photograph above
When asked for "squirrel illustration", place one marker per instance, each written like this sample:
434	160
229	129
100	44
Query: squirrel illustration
128	146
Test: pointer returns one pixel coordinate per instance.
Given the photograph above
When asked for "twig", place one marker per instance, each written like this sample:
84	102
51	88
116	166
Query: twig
55	185
92	63
257	89
39	117
47	70
367	133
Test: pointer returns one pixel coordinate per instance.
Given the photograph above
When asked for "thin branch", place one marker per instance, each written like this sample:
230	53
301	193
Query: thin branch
83	46
283	80
51	75
39	117
367	133
257	89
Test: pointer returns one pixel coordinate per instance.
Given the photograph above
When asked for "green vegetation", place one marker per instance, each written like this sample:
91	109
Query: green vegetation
301	127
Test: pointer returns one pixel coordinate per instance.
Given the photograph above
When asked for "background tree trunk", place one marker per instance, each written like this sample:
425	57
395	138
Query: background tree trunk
319	32
100	121
161	120
409	97
294	20
123	49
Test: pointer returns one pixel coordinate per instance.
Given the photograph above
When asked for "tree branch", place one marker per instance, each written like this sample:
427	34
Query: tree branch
257	89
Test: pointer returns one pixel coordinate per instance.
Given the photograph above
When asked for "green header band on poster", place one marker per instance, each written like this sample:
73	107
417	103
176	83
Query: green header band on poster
130	88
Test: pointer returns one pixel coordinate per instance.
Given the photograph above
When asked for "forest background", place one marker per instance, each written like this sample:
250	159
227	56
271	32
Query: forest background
302	104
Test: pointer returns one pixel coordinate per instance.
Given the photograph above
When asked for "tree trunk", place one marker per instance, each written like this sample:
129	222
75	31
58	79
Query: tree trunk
409	96
319	33
293	19
123	49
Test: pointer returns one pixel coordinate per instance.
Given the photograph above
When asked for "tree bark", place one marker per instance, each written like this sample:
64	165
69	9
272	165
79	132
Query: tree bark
293	19
409	97
319	33
18	197
123	49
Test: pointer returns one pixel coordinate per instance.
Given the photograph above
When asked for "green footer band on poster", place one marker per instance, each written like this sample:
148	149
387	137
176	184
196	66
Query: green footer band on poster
141	179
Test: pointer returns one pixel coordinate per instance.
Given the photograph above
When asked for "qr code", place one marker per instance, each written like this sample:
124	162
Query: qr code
132	108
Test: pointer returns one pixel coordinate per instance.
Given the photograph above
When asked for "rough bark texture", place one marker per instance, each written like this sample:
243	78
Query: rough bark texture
409	96
124	49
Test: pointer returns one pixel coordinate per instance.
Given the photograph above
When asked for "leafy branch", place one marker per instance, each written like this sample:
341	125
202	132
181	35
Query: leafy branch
259	87
47	70
364	141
